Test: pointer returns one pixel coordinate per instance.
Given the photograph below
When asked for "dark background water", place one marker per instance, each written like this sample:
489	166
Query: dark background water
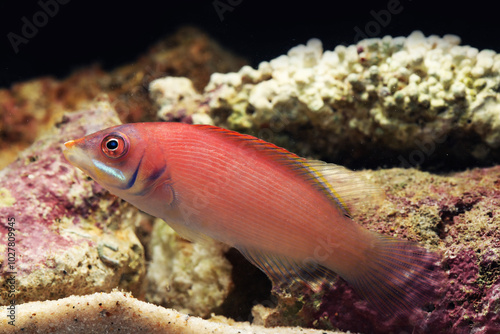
84	32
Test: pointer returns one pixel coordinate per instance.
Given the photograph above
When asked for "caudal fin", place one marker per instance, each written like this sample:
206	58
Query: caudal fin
398	276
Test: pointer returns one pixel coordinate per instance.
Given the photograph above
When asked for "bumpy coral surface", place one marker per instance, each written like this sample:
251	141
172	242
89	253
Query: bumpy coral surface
393	101
409	102
392	95
178	101
455	215
67	234
188	277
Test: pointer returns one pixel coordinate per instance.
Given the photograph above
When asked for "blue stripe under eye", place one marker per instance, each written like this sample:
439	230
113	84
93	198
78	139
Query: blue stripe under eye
109	170
131	182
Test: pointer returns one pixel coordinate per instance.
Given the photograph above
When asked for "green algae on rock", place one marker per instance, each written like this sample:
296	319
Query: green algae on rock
71	236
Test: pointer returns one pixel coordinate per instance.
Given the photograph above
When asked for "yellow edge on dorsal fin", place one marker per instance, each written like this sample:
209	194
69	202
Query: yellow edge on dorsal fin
353	190
310	170
316	167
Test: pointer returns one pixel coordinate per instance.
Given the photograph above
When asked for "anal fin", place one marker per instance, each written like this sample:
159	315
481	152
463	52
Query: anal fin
283	270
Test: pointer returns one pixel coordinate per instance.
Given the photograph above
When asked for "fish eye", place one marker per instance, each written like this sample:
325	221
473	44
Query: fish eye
112	144
115	145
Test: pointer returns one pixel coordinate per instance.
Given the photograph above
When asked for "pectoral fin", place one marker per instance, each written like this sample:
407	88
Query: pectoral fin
189	234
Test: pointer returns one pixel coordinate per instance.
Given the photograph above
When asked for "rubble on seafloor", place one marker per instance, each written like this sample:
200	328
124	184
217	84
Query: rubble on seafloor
359	110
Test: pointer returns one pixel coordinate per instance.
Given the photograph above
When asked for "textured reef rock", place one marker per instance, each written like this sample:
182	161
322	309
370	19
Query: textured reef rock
119	312
69	235
372	97
392	95
391	101
177	101
29	108
73	237
456	215
191	278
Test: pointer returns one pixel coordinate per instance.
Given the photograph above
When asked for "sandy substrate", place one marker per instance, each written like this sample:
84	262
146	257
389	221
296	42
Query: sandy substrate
119	312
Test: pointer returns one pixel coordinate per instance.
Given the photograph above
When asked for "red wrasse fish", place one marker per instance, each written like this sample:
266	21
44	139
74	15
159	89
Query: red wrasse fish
287	215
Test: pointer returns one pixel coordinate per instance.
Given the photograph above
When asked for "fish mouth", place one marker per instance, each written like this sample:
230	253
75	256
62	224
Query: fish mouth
76	156
75	151
70	144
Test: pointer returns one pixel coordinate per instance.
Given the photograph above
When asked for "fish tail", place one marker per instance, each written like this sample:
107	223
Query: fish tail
398	277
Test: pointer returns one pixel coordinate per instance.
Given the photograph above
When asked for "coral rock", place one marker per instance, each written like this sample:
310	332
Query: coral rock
178	101
343	104
455	215
69	235
189	277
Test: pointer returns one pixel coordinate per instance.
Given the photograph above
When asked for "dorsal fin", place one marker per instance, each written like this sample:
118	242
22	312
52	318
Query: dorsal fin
283	157
250	140
343	187
354	190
